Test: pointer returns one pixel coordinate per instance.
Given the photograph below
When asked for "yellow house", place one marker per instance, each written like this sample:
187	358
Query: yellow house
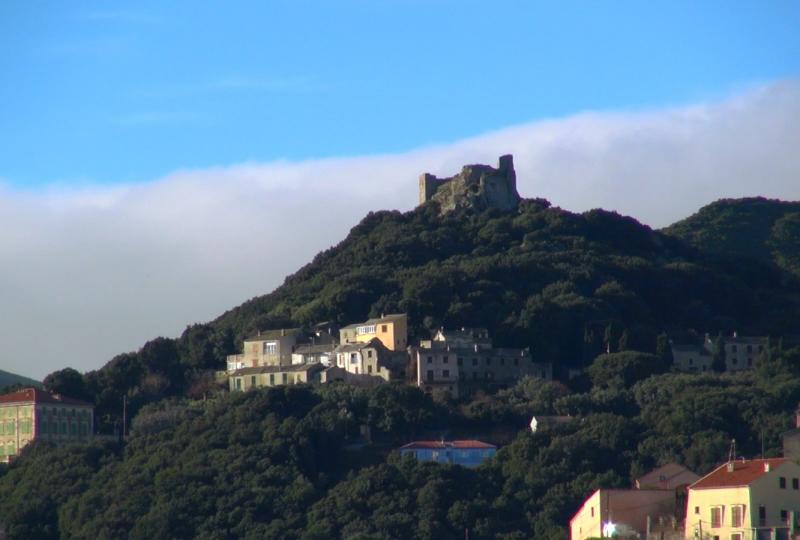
755	499
621	512
391	329
32	413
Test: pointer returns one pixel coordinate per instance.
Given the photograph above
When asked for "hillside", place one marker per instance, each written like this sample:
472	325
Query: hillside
8	379
567	285
764	229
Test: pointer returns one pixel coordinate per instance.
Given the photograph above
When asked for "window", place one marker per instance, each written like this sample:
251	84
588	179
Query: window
368	329
762	516
784	516
782	482
353	358
696	509
384	328
716	516
749	348
795	483
369	369
592	511
369	353
444	359
271	347
252	380
430	359
733	348
460	361
737	515
284	378
736	536
516	361
272	379
446	373
430	375
238	383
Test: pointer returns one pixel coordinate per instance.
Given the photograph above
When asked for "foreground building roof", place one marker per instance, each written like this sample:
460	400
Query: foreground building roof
738	473
37	395
440	445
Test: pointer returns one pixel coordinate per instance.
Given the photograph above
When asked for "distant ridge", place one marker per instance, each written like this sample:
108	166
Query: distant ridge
755	227
7	379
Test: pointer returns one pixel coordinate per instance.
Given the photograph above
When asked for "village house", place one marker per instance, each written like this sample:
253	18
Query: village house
654	509
739	352
266	348
629	513
267	376
467	453
460	361
391	330
31	413
374	359
756	499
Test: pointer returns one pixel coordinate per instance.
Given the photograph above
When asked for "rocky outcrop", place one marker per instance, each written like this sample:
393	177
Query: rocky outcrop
476	186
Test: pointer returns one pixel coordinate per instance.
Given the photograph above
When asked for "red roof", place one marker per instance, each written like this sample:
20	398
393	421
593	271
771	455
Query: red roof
437	445
744	473
40	396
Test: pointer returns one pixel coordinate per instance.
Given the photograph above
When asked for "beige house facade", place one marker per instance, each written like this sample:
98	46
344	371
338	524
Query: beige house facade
621	512
266	348
391	330
32	413
755	499
268	376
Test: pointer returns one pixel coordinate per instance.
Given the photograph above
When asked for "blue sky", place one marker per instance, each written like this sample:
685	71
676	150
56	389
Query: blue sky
162	162
102	92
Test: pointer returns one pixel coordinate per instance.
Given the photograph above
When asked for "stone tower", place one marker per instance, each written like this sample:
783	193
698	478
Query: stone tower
476	186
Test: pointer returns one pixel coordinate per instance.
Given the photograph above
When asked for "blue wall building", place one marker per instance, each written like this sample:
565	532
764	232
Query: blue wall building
467	453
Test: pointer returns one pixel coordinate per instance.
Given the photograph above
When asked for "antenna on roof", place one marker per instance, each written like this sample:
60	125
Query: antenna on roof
732	451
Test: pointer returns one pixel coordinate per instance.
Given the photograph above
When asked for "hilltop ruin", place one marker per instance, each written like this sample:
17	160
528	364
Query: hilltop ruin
476	186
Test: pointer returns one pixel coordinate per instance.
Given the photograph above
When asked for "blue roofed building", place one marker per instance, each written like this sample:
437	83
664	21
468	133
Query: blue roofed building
468	453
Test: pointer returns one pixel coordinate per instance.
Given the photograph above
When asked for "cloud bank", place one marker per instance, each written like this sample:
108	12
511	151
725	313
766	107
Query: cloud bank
94	271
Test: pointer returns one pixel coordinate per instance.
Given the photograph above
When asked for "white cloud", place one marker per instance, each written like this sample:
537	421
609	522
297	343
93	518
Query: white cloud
94	271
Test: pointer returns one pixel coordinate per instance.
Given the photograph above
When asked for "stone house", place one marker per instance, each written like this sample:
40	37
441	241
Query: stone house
266	348
268	376
462	361
374	359
740	353
33	413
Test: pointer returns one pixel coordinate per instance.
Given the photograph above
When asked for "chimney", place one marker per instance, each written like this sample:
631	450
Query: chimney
766	466
283	332
731	466
734	333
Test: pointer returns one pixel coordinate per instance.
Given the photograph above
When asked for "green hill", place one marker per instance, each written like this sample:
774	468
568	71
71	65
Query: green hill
764	229
567	285
9	379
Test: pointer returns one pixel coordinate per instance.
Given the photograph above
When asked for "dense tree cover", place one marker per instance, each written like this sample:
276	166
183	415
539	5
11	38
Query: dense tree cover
289	462
569	286
763	229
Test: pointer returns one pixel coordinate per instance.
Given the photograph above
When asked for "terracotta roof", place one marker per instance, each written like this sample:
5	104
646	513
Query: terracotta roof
668	472
744	473
37	395
434	445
